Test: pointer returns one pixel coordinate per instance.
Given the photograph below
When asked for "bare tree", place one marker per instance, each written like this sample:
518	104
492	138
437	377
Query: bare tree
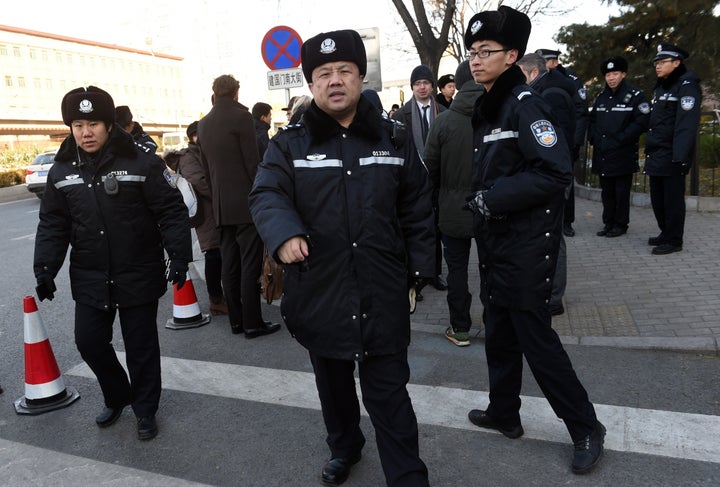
438	26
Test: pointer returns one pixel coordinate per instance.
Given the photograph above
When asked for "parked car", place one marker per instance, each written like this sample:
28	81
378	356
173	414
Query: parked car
36	172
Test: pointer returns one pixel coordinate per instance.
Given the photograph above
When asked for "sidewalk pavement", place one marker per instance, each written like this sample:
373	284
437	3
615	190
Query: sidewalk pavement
618	293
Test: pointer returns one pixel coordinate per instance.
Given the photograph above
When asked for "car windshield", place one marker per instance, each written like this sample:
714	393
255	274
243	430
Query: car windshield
44	159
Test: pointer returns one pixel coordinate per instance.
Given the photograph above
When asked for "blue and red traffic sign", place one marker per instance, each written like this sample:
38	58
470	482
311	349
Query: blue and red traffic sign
281	48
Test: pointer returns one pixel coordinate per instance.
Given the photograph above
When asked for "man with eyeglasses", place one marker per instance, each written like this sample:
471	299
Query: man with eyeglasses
520	171
418	114
670	144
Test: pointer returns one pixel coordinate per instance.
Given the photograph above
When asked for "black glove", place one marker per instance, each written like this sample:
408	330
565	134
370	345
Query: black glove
684	167
476	203
45	288
177	272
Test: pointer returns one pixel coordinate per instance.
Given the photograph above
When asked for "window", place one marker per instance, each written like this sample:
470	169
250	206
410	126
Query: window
37	84
33	54
58	57
8	81
21	82
44	56
48	83
3	50
16	51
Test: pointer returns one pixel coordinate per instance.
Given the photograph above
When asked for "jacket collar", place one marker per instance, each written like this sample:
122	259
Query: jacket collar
119	143
666	83
488	105
366	123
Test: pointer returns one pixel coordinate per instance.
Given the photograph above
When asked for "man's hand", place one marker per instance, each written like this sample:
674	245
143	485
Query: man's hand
177	272
684	167
45	288
476	203
293	250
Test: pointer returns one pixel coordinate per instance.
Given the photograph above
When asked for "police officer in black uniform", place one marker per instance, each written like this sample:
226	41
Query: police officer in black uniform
552	61
521	169
343	200
670	144
620	114
113	202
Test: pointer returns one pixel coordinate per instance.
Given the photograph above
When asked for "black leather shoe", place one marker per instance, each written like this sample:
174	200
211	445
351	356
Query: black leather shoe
568	230
266	328
147	428
616	232
655	241
481	418
603	232
337	470
108	416
236	329
589	451
439	283
666	248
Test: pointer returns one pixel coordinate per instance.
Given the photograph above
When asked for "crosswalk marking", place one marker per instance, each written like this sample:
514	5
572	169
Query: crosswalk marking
22	464
648	431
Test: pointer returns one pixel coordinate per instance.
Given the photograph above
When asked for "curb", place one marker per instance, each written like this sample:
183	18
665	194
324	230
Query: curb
671	344
15	193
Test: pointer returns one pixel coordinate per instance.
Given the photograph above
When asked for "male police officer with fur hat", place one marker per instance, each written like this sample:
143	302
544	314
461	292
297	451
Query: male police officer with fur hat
521	169
670	144
342	199
620	115
114	204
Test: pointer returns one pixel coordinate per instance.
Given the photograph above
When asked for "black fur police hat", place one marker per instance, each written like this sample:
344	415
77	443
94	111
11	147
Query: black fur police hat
504	25
328	47
548	53
463	75
89	103
445	79
617	63
123	115
666	50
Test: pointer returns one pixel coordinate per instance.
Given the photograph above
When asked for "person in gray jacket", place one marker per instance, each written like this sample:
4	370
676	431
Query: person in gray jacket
448	157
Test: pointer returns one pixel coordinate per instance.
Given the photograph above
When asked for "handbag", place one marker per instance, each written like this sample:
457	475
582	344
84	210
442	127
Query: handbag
191	200
271	286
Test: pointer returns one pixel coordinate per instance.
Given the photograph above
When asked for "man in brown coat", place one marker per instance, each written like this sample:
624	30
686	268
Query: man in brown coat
229	152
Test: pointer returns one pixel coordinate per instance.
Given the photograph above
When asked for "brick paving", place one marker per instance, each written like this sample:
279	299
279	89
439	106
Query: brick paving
618	290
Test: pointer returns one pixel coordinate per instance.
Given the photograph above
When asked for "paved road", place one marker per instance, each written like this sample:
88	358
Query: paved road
245	412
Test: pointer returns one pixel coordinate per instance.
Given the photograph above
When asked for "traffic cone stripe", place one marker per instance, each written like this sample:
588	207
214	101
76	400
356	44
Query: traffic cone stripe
29	304
40	366
186	295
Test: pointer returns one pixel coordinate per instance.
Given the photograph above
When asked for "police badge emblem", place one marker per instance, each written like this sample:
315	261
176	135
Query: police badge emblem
327	46
544	133
687	103
85	106
477	25
644	108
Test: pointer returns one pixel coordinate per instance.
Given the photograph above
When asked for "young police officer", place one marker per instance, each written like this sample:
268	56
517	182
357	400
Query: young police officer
112	202
343	200
521	169
670	145
620	115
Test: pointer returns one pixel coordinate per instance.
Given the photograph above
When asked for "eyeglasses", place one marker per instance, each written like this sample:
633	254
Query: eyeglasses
662	61
483	53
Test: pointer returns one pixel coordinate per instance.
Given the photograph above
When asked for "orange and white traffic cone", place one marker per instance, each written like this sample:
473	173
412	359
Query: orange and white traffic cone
45	388
186	310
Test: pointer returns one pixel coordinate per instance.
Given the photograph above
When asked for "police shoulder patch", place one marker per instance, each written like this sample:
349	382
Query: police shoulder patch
644	108
544	133
170	178
687	102
582	93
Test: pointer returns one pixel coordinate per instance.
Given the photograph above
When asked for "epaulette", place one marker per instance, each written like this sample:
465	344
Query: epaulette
523	94
294	126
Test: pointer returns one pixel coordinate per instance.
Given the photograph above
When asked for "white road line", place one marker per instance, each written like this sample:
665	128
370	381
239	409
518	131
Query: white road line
29	236
22	464
648	431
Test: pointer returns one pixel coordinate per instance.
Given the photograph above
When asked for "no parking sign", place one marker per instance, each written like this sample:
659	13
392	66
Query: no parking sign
281	52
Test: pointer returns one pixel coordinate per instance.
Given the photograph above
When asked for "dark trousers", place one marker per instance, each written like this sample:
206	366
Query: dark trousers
213	273
459	299
93	337
512	333
667	196
383	382
242	251
616	200
438	245
569	209
560	278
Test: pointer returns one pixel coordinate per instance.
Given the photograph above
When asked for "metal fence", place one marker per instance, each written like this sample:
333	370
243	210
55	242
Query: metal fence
703	178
